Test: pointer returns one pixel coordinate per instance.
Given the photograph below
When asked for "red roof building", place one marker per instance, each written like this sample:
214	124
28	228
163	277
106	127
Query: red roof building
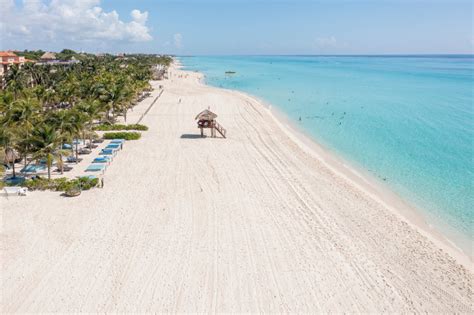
8	58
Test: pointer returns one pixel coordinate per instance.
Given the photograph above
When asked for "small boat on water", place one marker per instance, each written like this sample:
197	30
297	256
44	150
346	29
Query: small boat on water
230	72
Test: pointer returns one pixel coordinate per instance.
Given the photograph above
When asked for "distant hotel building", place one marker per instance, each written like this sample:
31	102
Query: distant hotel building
7	59
49	58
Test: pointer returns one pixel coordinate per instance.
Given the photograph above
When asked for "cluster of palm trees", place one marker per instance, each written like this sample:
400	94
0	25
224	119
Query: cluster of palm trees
43	107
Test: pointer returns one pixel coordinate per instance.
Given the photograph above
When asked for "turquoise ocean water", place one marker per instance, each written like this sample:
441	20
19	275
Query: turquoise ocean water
408	120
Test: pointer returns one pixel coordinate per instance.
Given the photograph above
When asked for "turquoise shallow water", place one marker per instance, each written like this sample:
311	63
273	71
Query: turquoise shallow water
408	120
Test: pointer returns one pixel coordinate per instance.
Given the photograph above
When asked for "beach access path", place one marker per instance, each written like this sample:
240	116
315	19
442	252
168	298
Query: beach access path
251	223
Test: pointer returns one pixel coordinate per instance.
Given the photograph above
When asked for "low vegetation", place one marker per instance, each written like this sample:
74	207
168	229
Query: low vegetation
123	135
117	127
61	184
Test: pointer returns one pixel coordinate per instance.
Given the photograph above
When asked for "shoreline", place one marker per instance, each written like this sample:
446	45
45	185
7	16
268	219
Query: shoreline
357	176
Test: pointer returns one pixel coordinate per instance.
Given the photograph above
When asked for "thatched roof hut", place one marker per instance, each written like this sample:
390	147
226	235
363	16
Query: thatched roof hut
48	56
10	156
207	119
206	115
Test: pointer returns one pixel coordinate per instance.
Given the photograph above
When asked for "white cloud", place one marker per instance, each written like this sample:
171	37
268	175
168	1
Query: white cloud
69	20
139	17
178	40
326	42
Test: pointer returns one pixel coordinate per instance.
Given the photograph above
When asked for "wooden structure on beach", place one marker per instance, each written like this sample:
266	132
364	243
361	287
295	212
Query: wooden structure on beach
207	119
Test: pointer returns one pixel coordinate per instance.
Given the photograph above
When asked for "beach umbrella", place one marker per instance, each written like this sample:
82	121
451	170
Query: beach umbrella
11	156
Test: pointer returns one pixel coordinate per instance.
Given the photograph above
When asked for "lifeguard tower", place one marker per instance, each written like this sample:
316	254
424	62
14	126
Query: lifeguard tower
207	119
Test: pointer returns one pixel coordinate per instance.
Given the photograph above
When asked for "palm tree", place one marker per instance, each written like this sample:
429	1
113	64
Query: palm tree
32	73
7	141
69	123
91	112
8	134
47	95
16	80
74	122
58	121
68	89
45	141
21	117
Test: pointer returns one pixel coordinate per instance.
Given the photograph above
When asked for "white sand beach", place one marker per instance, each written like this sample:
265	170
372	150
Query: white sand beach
252	223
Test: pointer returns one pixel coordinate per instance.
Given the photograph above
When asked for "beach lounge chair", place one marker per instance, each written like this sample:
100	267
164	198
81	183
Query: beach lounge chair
95	168
91	146
15	180
109	157
15	190
84	151
114	146
118	141
65	169
108	151
32	168
101	159
72	159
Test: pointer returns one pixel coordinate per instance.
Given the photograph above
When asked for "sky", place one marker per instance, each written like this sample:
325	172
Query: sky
240	27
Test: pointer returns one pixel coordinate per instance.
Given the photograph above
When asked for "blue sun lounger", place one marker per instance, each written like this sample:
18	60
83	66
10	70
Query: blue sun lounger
102	159
108	151
118	141
15	180
95	168
114	146
32	168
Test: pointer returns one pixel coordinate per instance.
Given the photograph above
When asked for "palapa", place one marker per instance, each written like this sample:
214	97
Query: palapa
206	115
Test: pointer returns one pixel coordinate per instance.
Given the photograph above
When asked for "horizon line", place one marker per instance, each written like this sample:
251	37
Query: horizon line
327	55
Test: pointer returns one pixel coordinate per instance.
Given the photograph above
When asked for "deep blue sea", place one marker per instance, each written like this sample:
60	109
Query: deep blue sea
408	120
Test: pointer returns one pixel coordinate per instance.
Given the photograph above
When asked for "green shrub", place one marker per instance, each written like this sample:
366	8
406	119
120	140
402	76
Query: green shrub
118	127
61	184
87	183
137	127
123	135
40	183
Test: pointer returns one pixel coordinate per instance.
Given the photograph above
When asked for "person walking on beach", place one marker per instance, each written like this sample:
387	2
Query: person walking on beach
102	182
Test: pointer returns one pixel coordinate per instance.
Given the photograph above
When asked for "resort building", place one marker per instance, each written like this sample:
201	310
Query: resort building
8	58
48	56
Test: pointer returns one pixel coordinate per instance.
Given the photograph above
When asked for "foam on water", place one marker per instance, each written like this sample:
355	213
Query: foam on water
408	120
